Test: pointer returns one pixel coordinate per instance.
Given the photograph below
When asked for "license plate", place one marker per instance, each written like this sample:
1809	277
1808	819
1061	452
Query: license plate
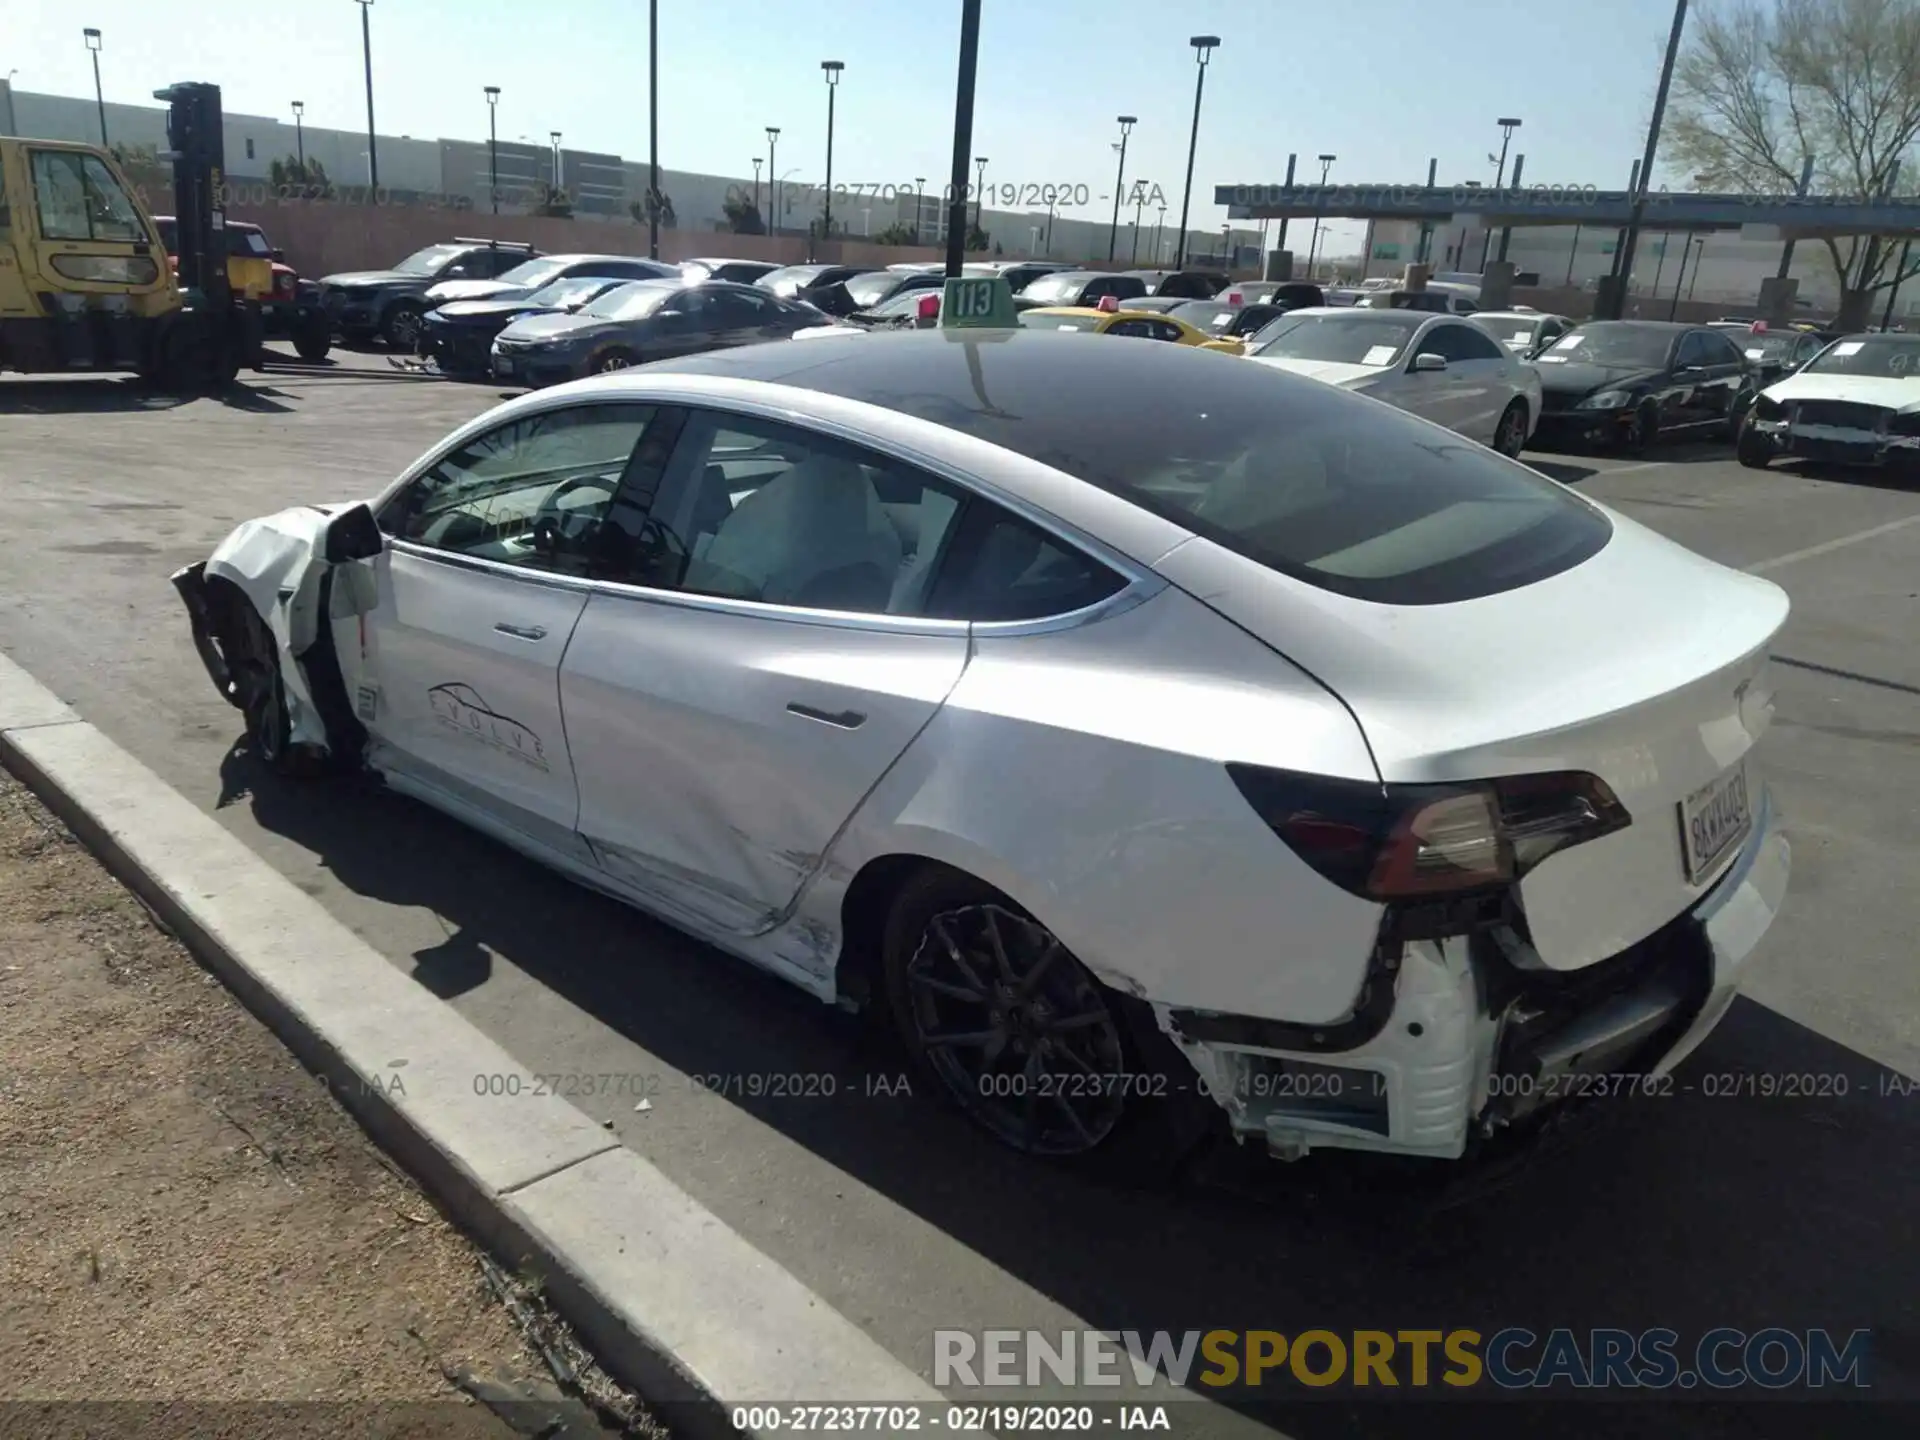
1713	822
503	367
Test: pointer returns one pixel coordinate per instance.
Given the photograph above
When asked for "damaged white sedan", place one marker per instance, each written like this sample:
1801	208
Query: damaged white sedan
1161	743
1855	403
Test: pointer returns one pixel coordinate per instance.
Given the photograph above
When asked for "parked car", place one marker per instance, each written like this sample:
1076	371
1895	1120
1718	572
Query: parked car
1160	753
1287	294
1525	332
1182	284
1857	402
1079	287
1775	354
792	282
1110	318
1442	369
531	275
874	287
389	304
741	272
1017	273
460	334
1627	383
1226	317
642	321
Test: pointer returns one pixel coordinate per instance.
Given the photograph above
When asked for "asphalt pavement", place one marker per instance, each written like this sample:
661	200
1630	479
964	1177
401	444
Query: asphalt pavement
1692	1211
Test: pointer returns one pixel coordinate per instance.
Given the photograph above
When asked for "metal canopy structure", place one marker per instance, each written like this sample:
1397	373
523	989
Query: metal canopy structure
1538	205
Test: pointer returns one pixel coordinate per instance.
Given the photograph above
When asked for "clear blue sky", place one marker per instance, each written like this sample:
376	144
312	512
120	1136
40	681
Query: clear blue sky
1383	84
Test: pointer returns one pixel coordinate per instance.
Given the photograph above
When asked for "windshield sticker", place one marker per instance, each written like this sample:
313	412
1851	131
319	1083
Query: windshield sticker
1756	354
1554	359
1380	355
1520	336
1850	347
461	709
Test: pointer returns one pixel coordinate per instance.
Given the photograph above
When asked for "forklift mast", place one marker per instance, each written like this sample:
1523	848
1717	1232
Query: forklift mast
197	146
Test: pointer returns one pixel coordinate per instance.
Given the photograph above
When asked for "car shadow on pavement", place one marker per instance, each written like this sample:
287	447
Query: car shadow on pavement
1727	1202
1559	469
83	395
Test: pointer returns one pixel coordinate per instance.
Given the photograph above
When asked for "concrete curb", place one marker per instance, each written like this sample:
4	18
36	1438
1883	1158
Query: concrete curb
676	1304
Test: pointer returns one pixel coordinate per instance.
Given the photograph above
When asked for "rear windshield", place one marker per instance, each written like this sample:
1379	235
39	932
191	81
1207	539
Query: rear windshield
1041	320
1055	287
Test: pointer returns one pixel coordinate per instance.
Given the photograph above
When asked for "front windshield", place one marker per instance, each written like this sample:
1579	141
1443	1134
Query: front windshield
427	261
1884	356
871	288
532	274
631	301
1357	339
1040	320
1620	346
1513	331
1053	287
570	291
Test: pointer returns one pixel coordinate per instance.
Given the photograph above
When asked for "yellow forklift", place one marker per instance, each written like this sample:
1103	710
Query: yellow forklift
85	283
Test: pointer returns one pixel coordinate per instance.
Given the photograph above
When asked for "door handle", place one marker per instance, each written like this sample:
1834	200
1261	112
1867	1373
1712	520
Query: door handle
522	632
841	719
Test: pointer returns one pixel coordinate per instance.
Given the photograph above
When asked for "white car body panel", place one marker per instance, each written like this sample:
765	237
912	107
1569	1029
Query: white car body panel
641	742
1890	392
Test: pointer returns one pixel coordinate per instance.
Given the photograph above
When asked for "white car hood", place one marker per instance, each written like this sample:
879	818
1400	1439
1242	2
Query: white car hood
1331	372
1889	392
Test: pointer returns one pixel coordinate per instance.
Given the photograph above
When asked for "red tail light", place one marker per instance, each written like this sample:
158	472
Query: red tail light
1413	842
1109	304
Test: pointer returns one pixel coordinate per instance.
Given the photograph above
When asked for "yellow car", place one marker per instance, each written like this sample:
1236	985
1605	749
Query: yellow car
1142	324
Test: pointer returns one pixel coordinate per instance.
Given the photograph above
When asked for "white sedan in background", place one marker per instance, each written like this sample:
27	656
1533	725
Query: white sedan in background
1161	744
1439	367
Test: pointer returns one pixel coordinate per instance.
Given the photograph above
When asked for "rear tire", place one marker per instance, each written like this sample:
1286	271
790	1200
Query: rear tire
1001	1021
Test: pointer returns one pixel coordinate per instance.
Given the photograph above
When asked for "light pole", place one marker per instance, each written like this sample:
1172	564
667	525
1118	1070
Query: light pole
1053	199
554	136
832	69
1127	122
1203	47
1139	205
1226	245
92	37
493	145
653	129
919	193
1507	127
1313	241
773	183
980	194
962	136
366	50
1623	262
300	139
1159	219
757	163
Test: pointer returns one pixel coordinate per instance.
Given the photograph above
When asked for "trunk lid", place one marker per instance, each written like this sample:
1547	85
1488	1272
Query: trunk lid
1644	665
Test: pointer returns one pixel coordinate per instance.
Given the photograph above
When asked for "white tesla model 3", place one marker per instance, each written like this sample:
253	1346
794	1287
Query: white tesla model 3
1126	724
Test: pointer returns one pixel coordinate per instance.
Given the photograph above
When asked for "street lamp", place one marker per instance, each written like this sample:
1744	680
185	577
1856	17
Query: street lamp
773	183
1313	242
757	163
1159	219
1226	245
980	193
919	191
1127	122
654	206
92	37
1203	47
554	135
366	50
1139	205
831	69
300	139
1507	126
1623	258
493	145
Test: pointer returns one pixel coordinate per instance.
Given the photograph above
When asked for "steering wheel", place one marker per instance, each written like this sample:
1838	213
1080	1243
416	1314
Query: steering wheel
551	526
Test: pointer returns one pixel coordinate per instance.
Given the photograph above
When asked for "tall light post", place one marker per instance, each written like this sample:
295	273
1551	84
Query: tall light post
1139	206
919	193
366	51
493	145
757	163
1159	220
962	136
653	129
300	138
1313	243
980	194
1636	217
773	183
92	37
1507	126
554	137
1127	122
1203	48
831	69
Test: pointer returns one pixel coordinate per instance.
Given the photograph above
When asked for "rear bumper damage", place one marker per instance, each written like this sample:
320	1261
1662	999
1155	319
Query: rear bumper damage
1473	1035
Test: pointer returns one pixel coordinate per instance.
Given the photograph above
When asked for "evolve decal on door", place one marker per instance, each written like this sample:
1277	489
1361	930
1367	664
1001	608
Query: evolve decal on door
462	709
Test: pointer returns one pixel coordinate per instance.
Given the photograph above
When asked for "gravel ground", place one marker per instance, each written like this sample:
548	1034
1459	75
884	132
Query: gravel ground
187	1216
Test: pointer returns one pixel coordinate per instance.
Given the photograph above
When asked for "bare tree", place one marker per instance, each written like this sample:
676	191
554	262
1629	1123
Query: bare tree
1765	85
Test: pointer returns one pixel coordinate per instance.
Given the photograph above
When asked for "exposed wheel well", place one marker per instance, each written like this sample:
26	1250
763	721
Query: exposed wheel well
863	920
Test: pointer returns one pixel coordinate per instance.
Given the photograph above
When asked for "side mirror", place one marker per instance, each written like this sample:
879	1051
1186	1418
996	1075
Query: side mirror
353	534
1427	360
279	257
1689	372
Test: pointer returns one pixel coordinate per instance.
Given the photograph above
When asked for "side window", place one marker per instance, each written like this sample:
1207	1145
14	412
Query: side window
1693	351
736	308
1126	286
1161	330
1138	329
1441	340
78	199
1473	343
757	510
1551	331
1721	350
1001	569
1094	290
533	492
